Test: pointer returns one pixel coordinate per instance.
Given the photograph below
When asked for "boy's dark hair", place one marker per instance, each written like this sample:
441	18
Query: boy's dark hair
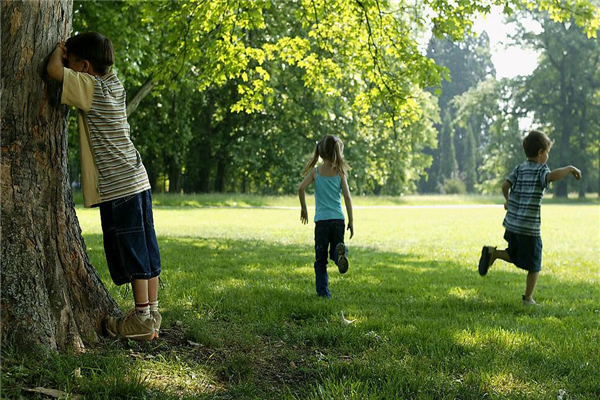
97	49
534	142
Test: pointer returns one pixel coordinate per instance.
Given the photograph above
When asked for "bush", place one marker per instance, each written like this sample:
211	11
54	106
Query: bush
453	185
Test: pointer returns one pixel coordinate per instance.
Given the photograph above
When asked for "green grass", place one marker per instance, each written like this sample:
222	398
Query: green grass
240	295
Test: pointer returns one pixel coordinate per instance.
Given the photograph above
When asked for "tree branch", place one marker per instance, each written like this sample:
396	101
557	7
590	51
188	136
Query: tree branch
376	65
143	91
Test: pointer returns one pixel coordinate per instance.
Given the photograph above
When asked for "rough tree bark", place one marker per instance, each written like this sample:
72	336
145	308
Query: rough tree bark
51	297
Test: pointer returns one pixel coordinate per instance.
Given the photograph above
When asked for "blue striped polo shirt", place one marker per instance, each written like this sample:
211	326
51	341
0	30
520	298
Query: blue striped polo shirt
527	185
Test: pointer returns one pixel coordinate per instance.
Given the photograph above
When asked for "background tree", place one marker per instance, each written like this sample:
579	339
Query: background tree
468	62
448	164
356	60
560	93
470	159
292	50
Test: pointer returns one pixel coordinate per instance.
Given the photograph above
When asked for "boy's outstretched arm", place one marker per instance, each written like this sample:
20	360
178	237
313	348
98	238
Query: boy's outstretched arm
305	182
55	64
560	173
348	201
505	192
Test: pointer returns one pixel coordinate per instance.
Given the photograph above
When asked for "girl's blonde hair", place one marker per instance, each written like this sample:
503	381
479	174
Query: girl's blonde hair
330	148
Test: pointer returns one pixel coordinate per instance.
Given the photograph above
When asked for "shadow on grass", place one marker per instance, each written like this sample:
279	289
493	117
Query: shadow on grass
252	326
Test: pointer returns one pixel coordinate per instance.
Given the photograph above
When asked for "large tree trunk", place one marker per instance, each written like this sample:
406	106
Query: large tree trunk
51	297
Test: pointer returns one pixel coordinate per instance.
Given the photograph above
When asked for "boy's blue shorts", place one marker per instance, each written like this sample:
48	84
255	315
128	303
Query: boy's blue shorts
524	251
129	238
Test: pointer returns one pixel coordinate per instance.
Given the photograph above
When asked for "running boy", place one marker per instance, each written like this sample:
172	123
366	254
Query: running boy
523	190
113	176
330	182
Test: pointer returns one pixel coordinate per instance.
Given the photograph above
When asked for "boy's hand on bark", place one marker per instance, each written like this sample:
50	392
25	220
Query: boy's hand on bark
62	49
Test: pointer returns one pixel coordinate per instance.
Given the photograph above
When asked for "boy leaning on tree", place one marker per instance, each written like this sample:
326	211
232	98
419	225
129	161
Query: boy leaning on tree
113	176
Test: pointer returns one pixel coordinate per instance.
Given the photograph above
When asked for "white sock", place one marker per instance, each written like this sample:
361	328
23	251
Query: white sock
143	311
153	306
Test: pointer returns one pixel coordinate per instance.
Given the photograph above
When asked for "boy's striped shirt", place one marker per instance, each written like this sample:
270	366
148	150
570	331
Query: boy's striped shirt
527	185
103	122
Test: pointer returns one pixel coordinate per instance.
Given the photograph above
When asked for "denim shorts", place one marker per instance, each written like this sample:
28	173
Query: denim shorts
524	251
129	238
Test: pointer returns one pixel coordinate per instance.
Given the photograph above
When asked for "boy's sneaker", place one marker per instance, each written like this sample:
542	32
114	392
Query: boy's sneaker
157	321
342	260
484	260
131	326
528	303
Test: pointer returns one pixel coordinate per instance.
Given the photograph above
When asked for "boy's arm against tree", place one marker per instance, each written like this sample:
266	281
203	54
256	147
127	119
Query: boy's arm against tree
561	173
55	64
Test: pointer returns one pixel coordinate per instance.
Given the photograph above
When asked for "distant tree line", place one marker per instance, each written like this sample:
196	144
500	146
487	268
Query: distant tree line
479	134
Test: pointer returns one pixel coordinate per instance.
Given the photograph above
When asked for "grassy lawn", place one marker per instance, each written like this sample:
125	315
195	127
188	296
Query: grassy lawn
241	319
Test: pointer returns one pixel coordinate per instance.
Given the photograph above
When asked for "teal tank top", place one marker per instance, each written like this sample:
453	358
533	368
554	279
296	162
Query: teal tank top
328	197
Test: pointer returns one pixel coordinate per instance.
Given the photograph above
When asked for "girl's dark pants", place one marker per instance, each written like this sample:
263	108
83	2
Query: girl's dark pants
328	234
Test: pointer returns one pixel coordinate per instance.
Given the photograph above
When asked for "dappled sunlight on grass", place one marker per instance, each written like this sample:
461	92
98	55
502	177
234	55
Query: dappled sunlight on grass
463	293
171	375
366	279
506	383
240	285
497	337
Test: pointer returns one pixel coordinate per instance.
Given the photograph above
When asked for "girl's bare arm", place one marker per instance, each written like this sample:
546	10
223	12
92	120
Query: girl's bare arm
308	179
348	201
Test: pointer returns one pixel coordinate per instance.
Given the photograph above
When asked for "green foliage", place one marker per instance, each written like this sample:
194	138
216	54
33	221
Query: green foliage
240	91
584	13
569	64
482	109
478	104
468	62
385	119
502	149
